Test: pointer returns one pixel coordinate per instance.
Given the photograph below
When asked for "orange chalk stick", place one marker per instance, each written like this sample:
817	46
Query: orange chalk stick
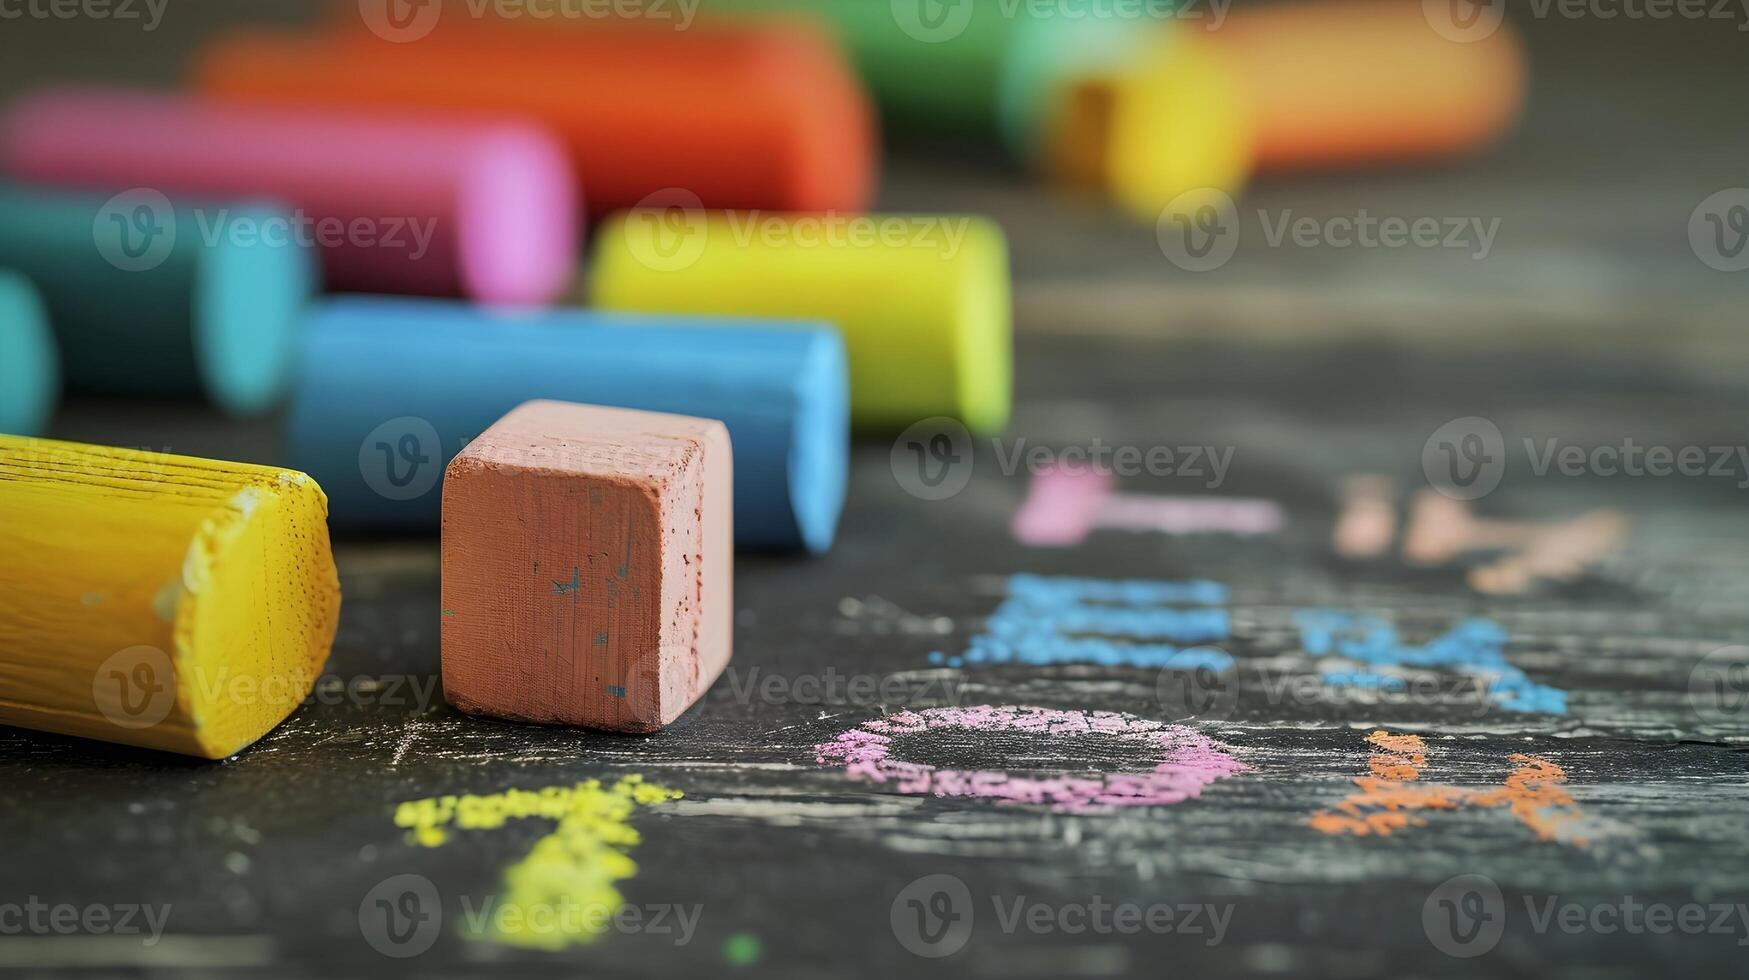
747	116
1341	82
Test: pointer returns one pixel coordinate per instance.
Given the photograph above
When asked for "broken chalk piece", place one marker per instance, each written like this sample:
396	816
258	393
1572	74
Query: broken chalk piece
588	566
161	601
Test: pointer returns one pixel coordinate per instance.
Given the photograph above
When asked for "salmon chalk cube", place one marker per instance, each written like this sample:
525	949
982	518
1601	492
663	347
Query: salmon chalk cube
588	566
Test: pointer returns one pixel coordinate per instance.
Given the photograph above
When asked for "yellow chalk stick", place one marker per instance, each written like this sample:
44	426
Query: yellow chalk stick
924	301
1163	130
161	601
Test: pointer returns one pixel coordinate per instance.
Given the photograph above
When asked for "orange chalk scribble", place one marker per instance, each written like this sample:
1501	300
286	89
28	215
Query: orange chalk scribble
1393	796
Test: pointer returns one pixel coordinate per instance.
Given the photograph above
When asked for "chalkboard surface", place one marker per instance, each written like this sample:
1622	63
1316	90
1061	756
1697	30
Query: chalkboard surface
1153	749
785	857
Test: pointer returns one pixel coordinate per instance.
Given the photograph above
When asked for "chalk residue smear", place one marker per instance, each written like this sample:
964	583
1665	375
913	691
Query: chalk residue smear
1183	760
574	867
1393	797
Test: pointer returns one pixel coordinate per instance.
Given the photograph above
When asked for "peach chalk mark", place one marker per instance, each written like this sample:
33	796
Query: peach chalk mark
1367	523
1184	761
1393	798
1066	504
1441	530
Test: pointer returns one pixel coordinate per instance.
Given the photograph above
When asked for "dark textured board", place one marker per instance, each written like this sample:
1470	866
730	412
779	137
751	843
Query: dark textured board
1591	321
267	858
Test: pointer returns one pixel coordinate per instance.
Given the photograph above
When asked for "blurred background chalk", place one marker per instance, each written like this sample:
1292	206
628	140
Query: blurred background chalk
923	300
389	390
144	299
406	205
969	69
30	369
757	116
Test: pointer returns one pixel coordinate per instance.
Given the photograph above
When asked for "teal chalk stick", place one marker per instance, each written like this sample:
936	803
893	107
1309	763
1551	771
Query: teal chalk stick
146	296
30	370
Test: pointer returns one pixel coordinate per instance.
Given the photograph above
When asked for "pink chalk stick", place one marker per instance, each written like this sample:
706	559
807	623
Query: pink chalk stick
484	209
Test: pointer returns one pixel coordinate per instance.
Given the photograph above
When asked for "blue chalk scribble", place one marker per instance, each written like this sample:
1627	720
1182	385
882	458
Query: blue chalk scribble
1473	647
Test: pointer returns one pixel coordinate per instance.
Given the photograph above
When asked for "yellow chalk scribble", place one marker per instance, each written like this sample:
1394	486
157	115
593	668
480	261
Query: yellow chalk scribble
563	893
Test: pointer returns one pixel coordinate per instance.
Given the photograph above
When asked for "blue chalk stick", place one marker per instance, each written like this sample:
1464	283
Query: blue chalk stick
151	296
389	389
30	374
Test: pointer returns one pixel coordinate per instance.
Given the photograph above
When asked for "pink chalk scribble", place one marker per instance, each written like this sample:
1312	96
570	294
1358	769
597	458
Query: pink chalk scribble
1065	504
1184	760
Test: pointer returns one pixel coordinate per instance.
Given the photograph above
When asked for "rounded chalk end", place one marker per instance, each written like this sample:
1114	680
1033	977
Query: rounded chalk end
983	339
820	463
518	219
248	300
30	370
1182	125
1044	62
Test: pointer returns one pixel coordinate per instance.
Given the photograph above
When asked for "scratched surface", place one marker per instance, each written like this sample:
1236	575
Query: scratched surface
1630	787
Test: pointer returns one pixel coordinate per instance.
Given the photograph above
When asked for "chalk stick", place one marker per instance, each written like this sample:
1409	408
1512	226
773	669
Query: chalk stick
485	209
588	566
389	390
761	116
1345	82
1279	87
30	371
923	301
143	302
986	69
160	601
1166	125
